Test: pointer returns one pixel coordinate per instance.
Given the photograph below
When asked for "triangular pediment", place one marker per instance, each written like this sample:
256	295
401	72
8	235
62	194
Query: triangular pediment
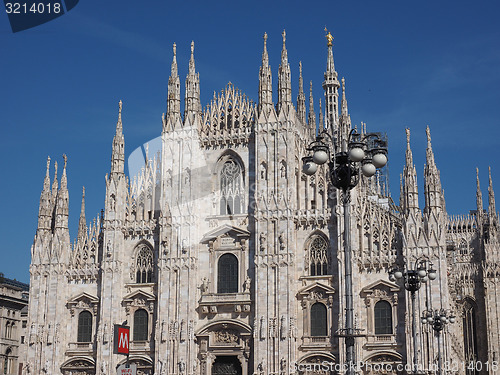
225	231
380	285
82	300
84	297
316	287
139	295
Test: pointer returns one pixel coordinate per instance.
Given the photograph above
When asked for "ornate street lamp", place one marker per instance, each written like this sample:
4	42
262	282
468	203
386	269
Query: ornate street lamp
413	278
363	151
438	319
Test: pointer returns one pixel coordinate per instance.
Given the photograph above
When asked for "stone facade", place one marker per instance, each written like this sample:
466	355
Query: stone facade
223	257
13	323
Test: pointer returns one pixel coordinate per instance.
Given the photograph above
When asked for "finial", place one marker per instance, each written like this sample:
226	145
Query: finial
265	39
477	174
489	172
55	170
428	132
83	192
65	161
192	47
311	87
48	164
283	34
300	67
175	49
407	136
328	37
343	85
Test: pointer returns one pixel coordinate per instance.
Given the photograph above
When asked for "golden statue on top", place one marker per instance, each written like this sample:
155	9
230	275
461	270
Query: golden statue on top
329	38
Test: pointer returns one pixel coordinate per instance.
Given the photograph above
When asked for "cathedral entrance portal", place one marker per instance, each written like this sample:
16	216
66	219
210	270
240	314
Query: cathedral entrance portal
226	365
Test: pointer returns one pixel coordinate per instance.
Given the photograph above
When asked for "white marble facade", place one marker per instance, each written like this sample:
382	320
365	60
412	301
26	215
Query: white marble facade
224	258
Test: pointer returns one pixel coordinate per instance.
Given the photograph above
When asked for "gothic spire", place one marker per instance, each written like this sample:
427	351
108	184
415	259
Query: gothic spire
410	189
479	196
265	82
82	223
344	100
118	153
284	80
192	103
311	119
55	186
321	124
331	86
62	205
432	180
174	91
345	119
44	211
301	98
492	211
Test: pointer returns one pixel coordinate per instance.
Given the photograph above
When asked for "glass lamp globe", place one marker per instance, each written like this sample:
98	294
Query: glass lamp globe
424	320
424	279
320	157
368	169
398	275
310	168
356	154
422	273
432	274
379	160
452	319
443	318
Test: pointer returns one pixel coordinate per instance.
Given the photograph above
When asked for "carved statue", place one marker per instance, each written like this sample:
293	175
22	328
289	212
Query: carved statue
182	366
262	240
204	285
163	332
247	284
283	328
282	241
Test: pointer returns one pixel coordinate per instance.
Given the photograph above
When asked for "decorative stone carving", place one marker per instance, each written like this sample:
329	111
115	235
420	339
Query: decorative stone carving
226	336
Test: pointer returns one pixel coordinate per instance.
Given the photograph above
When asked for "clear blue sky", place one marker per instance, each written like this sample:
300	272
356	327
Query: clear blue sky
406	64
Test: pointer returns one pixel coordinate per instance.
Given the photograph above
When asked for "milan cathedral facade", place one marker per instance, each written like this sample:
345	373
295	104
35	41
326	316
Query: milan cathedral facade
223	257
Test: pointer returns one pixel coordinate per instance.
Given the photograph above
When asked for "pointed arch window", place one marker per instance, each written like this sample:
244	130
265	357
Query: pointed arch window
141	325
383	318
227	274
470	341
319	320
318	256
84	327
231	188
144	265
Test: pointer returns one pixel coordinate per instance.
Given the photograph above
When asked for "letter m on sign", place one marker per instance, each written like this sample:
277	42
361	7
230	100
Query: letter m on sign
121	342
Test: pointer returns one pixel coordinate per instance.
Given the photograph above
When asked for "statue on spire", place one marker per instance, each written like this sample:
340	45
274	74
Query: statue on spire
329	37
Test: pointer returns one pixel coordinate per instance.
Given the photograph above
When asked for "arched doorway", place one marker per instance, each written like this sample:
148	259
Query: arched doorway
226	365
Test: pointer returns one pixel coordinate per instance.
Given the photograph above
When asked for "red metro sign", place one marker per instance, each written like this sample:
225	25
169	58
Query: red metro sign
122	339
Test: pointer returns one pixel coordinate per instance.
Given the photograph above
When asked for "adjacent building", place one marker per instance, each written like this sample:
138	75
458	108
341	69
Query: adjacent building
13	323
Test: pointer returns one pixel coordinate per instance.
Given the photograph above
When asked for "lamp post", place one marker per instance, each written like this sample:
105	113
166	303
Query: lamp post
413	279
438	319
369	150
